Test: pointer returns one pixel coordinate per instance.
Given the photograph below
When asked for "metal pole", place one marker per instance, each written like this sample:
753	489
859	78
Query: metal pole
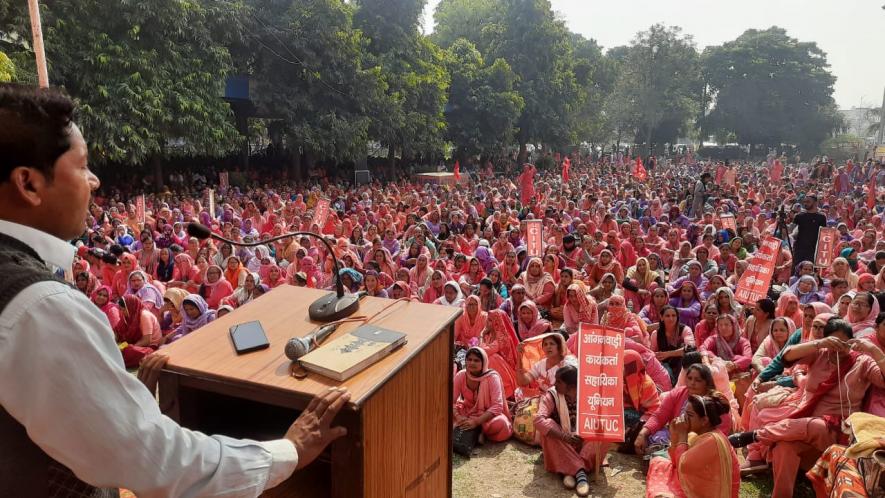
39	53
881	140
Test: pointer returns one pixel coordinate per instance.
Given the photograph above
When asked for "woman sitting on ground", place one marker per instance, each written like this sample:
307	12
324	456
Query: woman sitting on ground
530	323
138	331
500	344
215	288
194	314
701	462
641	397
698	381
479	400
728	345
565	452
670	341
542	374
470	325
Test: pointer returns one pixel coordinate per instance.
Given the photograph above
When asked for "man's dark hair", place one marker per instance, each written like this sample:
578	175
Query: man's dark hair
36	127
838	325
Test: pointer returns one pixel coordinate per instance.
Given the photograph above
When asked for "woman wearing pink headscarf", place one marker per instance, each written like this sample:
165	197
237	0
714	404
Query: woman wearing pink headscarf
539	285
499	342
862	313
470	325
788	307
728	344
530	322
478	398
618	316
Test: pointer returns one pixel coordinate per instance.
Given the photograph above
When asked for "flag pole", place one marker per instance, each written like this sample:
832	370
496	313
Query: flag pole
39	53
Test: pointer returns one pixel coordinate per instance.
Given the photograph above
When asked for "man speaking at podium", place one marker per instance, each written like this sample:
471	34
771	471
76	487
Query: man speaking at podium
73	422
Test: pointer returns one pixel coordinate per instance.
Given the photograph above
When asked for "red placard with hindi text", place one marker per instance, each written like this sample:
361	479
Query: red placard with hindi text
320	214
824	253
534	238
600	383
140	208
729	222
756	279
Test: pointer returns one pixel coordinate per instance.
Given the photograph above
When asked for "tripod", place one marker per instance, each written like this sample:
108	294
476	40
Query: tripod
781	231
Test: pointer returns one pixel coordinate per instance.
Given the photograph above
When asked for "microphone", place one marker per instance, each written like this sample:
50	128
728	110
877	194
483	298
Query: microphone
300	346
331	307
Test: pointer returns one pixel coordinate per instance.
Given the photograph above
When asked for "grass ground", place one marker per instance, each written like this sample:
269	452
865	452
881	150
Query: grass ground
513	469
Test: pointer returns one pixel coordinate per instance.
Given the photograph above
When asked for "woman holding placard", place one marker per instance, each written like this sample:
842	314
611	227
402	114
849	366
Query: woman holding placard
564	451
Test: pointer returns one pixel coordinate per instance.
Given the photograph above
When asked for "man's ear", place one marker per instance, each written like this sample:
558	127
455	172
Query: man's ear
28	185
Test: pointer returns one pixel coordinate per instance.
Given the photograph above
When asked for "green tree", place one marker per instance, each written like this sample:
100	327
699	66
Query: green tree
456	19
660	83
7	69
147	75
307	62
595	75
770	88
412	67
482	106
528	36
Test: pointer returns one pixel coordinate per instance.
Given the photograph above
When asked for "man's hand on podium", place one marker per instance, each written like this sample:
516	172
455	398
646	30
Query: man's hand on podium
311	432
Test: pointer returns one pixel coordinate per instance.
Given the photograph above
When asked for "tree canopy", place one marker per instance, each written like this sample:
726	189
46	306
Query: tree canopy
330	77
770	88
147	75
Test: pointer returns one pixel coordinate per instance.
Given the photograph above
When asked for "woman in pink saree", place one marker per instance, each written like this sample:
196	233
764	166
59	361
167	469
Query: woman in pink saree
470	325
565	452
478	398
702	464
530	322
499	343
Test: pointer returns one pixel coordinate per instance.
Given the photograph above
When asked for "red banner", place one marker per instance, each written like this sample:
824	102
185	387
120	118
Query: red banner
825	252
534	240
223	180
140	208
600	383
320	214
756	279
729	222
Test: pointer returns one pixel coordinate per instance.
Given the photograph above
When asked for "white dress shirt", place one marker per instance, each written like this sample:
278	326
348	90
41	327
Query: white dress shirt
62	377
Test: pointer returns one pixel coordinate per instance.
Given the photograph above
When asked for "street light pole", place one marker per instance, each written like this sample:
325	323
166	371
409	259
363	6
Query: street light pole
37	33
881	140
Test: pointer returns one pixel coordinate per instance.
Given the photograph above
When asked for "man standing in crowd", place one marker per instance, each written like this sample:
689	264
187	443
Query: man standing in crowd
807	224
72	420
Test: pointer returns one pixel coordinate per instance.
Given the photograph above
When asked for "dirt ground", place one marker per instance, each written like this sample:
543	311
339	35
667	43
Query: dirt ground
513	469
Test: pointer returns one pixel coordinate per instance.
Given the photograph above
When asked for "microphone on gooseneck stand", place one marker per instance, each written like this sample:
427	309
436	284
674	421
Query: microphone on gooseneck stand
333	306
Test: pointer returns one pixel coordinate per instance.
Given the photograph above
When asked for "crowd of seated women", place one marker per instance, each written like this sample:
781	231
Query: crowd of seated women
776	375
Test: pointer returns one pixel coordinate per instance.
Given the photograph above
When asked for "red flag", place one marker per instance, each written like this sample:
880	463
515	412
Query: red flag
641	173
871	195
565	169
457	170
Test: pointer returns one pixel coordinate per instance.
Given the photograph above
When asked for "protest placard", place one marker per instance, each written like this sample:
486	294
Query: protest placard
320	214
824	252
600	383
756	279
534	238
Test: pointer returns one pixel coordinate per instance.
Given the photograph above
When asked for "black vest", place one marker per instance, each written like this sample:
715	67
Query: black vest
25	470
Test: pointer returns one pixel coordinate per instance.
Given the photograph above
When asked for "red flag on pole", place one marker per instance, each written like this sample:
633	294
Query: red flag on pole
566	164
457	170
641	173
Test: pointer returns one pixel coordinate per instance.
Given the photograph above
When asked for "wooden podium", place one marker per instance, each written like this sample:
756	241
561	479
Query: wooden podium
399	418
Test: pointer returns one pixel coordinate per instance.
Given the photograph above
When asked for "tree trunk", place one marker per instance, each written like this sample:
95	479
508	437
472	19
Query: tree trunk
295	173
391	158
521	157
157	163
